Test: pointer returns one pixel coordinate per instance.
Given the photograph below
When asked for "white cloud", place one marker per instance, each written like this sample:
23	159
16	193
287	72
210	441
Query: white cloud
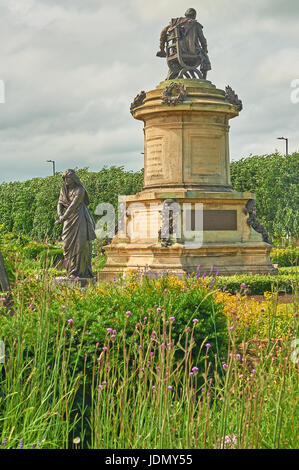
72	67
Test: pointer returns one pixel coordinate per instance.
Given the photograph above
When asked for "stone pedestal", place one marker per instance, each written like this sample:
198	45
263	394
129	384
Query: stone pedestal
186	162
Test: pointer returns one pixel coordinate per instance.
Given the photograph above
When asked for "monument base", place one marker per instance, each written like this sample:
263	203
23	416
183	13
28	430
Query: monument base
226	242
187	185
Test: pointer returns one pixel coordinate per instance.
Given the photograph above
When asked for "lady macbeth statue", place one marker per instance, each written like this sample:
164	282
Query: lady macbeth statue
78	226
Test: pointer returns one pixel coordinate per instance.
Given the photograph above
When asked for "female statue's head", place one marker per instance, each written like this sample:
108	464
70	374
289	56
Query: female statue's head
70	178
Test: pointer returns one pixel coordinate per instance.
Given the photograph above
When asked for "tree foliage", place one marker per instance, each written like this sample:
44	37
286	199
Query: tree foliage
29	208
274	180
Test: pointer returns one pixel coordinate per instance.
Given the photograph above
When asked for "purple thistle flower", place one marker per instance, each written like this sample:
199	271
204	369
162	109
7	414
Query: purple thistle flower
253	371
105	348
208	345
195	321
70	320
170	387
109	330
100	387
191	373
231	327
158	309
243	284
104	382
128	313
172	319
225	366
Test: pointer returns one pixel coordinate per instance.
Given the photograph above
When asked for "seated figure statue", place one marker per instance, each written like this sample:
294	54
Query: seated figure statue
184	45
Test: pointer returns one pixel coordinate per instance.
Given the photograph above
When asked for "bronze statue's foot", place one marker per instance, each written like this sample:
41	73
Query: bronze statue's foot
161	54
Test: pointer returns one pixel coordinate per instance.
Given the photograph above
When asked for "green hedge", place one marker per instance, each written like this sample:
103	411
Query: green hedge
258	284
29	208
284	257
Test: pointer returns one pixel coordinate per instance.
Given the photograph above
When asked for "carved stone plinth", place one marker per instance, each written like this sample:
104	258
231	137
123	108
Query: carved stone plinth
187	183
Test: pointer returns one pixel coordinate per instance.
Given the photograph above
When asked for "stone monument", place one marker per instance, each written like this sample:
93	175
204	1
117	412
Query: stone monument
78	230
187	213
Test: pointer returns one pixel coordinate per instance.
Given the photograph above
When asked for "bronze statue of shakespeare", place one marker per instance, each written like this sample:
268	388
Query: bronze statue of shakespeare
183	43
78	226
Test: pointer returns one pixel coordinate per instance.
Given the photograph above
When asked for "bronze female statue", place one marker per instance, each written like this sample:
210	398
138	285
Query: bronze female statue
78	226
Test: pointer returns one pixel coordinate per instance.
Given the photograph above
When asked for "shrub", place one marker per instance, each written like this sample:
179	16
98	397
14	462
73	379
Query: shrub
259	283
284	257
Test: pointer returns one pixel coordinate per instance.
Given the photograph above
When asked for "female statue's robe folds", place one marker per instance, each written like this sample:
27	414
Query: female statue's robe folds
78	231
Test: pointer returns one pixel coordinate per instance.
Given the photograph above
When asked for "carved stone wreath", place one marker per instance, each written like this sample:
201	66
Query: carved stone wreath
174	93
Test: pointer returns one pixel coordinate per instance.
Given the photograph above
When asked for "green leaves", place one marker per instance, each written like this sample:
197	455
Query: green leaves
29	208
274	180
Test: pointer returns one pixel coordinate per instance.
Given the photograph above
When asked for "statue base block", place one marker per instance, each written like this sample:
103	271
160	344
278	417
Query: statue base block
227	242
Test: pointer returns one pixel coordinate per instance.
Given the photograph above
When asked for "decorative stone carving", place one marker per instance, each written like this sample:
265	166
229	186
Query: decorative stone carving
169	216
233	98
254	223
138	100
174	93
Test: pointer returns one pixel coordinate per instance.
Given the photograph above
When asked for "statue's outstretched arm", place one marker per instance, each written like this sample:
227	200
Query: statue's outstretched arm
60	208
163	37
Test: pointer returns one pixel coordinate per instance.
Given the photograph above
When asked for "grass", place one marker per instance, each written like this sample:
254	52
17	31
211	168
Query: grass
156	382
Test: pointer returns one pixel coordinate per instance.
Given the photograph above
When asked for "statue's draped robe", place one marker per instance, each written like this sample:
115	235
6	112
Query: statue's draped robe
193	40
78	230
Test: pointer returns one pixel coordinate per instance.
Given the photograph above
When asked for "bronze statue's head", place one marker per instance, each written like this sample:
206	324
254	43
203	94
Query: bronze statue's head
190	13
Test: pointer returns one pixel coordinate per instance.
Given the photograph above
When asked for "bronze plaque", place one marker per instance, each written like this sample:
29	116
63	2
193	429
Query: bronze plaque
214	220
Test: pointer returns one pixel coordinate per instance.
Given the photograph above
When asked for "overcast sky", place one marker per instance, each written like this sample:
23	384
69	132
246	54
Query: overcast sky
71	68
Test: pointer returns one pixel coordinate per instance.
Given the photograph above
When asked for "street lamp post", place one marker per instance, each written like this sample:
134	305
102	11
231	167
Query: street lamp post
287	144
52	161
